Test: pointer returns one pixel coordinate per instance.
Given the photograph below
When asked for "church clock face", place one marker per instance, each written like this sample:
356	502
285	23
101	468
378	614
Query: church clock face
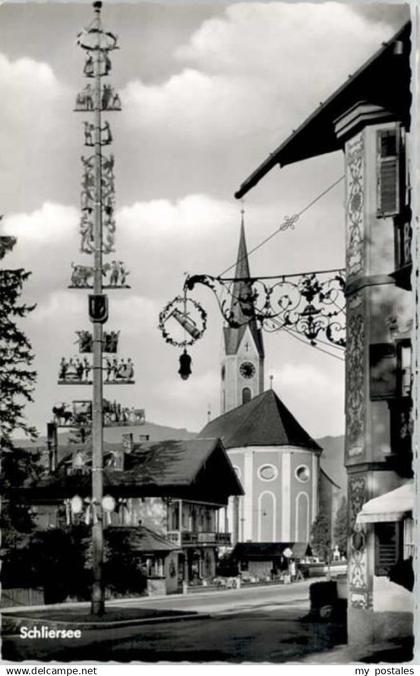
247	370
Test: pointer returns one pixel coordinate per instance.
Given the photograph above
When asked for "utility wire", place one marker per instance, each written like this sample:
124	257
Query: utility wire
294	335
286	223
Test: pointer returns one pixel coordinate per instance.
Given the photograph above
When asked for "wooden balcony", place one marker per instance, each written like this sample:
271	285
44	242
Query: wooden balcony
185	538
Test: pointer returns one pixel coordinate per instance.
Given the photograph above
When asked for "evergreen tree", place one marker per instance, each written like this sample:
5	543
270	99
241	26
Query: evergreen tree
321	538
18	465
341	527
16	376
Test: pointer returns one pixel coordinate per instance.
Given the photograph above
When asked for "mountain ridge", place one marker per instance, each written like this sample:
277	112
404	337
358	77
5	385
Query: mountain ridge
332	456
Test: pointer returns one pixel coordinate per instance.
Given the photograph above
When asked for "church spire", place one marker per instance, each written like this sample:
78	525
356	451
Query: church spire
242	374
242	311
242	305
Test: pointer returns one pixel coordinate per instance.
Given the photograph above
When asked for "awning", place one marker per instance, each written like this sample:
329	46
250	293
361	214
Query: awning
391	506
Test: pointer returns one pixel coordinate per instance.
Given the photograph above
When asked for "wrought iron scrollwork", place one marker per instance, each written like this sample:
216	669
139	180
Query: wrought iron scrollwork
311	304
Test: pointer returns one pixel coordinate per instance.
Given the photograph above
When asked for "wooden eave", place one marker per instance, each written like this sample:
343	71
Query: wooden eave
382	80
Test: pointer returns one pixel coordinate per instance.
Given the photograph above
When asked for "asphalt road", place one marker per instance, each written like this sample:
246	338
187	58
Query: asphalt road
261	624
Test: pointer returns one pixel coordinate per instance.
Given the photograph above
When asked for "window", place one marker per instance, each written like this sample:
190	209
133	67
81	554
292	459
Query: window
402	240
388	543
382	371
175	516
388	172
409	538
302	473
246	395
267	472
404	367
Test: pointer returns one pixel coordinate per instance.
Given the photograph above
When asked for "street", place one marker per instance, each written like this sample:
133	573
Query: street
257	624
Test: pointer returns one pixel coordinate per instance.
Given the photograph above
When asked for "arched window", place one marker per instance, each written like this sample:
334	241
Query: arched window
267	517
246	395
302	517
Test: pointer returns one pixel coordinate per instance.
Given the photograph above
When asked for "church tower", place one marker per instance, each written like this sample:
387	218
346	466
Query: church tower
242	373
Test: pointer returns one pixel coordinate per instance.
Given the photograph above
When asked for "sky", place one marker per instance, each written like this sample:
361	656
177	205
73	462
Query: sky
208	91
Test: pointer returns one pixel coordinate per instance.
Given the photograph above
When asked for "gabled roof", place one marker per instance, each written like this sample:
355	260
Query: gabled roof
242	289
166	468
263	421
383	80
142	539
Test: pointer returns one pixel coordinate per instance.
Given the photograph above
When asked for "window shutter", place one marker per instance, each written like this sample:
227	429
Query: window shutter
388	172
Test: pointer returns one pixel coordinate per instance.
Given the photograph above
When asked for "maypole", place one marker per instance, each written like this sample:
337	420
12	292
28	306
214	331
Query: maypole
97	230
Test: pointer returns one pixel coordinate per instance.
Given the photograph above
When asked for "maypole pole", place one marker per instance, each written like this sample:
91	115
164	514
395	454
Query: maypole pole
98	234
97	230
97	604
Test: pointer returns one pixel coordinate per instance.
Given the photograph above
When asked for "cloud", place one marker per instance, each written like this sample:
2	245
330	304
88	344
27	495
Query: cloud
236	75
137	314
182	218
50	224
196	104
33	107
59	305
27	85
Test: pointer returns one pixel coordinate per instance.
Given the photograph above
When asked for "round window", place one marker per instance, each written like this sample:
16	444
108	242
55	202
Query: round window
267	472
302	473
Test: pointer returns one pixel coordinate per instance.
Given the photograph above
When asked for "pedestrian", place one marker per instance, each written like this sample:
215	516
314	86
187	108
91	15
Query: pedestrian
292	570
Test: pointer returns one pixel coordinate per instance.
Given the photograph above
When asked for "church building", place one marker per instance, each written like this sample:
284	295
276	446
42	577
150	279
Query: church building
275	459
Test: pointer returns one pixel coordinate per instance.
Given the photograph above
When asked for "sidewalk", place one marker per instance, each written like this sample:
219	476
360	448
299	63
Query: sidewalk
388	652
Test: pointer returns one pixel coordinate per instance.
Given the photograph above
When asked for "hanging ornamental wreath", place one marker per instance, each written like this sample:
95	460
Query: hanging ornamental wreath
184	319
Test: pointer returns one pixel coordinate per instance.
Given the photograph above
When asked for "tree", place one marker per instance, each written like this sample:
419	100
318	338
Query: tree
321	538
341	527
17	379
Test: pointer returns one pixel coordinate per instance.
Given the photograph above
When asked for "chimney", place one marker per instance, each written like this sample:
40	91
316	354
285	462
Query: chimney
52	445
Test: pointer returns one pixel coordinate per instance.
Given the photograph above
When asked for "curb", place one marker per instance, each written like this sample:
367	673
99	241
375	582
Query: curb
146	599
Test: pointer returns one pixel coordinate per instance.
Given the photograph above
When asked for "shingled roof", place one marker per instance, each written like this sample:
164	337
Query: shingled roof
171	468
142	539
263	421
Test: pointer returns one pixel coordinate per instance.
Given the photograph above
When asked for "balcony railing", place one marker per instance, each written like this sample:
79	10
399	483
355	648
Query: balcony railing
186	537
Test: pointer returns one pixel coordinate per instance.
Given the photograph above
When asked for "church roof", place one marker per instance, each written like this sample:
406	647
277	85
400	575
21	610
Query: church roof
242	289
263	421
